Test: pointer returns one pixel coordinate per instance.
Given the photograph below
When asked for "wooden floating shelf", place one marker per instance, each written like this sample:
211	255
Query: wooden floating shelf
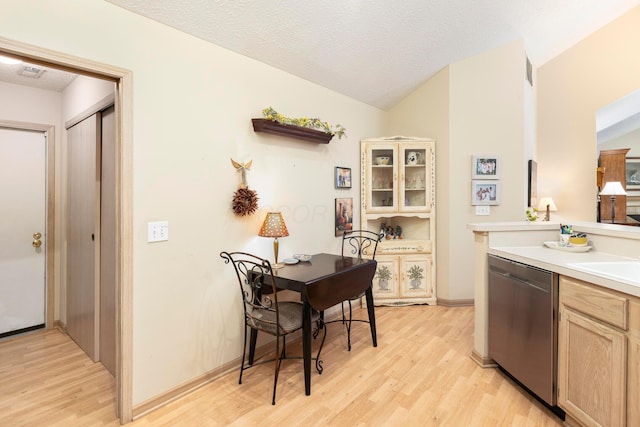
298	132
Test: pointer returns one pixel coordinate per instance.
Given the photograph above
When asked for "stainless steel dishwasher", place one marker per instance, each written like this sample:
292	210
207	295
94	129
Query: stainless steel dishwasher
523	328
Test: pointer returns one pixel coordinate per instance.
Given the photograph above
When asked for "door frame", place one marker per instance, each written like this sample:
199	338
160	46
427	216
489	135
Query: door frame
49	133
124	200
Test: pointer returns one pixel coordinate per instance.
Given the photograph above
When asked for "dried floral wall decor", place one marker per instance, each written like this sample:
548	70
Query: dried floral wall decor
245	200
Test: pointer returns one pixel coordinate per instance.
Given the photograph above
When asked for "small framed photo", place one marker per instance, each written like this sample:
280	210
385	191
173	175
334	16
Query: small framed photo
343	177
485	167
485	192
344	215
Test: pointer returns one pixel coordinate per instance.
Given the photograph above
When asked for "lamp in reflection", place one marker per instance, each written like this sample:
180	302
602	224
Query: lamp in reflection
274	226
546	204
613	189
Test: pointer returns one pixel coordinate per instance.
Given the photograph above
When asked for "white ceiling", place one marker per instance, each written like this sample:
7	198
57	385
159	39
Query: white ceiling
379	51
371	50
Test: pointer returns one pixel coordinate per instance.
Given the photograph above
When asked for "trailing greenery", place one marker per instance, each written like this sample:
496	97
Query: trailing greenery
312	123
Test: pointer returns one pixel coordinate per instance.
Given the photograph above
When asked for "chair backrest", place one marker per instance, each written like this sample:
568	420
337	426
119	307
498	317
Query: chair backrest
256	279
360	243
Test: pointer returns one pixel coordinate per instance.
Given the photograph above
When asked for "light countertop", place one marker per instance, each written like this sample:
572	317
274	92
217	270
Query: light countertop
558	261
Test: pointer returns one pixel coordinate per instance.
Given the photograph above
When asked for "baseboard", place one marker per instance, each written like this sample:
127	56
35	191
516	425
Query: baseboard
61	326
455	302
485	362
182	390
170	395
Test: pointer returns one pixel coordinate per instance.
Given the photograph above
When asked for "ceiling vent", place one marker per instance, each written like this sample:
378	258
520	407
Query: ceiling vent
31	71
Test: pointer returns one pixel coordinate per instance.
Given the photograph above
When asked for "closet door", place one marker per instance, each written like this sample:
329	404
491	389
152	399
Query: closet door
83	213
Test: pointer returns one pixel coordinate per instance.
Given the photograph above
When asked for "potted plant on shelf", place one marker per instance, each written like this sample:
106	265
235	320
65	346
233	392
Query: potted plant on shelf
309	129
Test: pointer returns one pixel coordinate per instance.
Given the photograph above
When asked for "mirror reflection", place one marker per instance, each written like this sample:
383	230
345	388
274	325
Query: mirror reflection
618	148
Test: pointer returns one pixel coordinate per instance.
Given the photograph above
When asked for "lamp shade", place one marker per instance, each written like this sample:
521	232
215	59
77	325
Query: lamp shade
544	201
613	188
273	226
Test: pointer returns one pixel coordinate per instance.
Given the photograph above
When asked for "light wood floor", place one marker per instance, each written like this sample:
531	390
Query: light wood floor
420	374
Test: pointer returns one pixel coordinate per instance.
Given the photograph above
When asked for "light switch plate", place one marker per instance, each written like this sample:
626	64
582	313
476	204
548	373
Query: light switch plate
483	210
157	231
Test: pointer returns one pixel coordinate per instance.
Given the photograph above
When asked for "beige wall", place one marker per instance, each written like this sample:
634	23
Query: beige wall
571	88
192	109
475	106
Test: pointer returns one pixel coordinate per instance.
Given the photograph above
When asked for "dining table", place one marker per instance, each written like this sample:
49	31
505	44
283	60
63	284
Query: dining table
324	281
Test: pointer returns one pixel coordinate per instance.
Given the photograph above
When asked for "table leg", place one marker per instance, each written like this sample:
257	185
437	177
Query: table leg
306	345
372	315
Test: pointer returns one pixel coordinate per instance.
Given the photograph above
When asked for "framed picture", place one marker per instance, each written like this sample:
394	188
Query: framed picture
485	192
344	215
343	177
532	197
633	173
485	167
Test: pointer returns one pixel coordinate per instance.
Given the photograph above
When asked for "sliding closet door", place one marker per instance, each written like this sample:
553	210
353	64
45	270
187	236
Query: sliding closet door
83	213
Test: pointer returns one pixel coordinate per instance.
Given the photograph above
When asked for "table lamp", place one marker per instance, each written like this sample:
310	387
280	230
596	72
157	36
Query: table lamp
546	204
274	226
613	189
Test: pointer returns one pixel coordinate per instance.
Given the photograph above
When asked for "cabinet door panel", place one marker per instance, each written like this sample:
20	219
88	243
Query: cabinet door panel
415	276
591	370
385	281
381	170
415	179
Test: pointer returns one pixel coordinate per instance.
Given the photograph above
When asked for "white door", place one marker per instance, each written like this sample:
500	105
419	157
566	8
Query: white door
22	213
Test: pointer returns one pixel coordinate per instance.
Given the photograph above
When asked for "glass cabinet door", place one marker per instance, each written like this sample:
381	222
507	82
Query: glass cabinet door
415	178
382	194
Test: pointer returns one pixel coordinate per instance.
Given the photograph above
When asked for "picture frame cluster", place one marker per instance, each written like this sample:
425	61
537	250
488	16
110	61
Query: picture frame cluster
343	205
485	184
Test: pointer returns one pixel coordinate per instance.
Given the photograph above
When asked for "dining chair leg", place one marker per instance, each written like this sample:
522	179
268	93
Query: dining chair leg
244	354
348	325
279	357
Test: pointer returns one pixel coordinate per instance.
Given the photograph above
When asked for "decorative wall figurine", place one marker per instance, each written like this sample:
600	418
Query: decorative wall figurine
245	200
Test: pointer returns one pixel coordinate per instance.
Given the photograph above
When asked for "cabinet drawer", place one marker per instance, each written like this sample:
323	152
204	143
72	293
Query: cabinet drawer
608	307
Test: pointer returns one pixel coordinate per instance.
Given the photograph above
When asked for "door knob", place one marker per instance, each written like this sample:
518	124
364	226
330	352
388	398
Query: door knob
36	240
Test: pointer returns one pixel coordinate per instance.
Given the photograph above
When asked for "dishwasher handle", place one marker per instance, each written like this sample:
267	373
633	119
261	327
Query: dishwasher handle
521	280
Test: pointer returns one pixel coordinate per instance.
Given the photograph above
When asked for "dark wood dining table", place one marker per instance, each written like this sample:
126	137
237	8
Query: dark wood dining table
324	281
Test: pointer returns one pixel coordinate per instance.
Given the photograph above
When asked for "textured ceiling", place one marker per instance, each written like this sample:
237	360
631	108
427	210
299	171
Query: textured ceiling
371	50
51	79
379	51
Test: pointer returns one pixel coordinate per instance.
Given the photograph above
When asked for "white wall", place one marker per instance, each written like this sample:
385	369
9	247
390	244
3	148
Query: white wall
628	140
192	109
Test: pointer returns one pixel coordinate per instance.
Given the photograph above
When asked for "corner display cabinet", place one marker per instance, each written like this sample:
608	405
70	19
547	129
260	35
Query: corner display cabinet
398	199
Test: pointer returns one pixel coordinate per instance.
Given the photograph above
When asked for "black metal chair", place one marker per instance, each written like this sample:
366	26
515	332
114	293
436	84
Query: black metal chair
358	243
263	312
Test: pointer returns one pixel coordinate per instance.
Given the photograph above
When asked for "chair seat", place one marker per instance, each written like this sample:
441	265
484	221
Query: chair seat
290	318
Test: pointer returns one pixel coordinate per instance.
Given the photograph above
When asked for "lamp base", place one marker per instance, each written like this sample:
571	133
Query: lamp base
277	266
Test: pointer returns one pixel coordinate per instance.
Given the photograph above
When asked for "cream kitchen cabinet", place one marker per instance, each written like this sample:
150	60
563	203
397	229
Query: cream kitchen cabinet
598	355
398	199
